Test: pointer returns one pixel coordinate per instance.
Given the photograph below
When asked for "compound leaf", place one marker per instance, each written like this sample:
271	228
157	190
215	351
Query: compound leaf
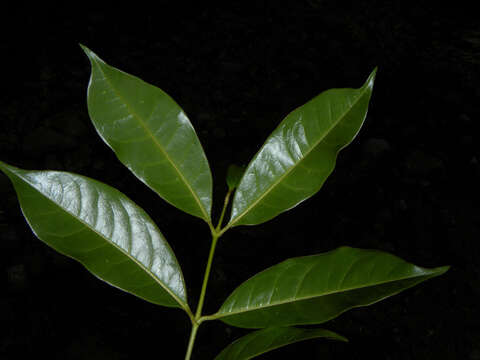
151	135
101	228
315	289
300	154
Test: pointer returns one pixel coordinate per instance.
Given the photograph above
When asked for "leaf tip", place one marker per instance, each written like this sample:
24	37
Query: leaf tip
85	49
4	166
371	78
8	170
90	54
442	269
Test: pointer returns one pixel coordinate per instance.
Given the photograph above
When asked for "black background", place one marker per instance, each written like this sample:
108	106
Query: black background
407	184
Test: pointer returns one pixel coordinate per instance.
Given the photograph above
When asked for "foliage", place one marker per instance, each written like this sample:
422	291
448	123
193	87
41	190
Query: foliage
151	135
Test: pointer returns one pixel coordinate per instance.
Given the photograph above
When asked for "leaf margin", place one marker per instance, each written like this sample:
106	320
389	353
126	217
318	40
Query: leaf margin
12	171
301	334
206	212
433	272
235	219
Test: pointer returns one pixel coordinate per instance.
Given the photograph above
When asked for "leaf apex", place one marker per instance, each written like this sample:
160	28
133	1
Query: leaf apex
340	338
371	78
442	269
90	54
6	168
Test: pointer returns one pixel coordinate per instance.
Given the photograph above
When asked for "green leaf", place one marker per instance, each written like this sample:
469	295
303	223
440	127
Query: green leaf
300	154
262	341
315	289
234	175
151	135
103	229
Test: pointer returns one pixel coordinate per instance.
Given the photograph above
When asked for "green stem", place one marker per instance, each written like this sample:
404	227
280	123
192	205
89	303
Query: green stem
195	323
225	204
206	276
198	315
191	341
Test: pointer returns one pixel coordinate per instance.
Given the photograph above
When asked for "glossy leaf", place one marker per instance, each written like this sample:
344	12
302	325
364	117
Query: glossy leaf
300	154
234	175
151	135
262	341
315	289
102	229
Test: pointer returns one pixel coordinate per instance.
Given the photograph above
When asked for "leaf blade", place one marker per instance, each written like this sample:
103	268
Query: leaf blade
261	341
151	135
101	228
300	154
315	289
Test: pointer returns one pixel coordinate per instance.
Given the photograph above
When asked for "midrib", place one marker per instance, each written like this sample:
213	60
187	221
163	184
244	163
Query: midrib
155	141
291	300
280	179
109	242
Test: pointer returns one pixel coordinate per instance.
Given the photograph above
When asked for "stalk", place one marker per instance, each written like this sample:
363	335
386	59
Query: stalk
225	204
196	321
206	276
191	341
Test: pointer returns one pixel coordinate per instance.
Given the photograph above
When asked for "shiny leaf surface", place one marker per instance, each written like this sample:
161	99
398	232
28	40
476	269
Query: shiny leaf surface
262	341
151	135
315	289
300	154
101	228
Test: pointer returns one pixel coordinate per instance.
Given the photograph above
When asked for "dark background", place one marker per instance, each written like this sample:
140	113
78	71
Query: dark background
407	184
